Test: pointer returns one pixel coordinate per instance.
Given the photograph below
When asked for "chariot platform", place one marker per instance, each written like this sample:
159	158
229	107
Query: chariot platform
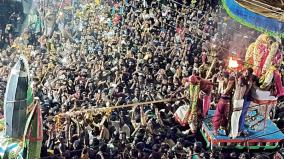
262	134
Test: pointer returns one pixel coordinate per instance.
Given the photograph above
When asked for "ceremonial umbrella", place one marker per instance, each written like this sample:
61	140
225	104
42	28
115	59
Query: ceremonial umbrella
15	101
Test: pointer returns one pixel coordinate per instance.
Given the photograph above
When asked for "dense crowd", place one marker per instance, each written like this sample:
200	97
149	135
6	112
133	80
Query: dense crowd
114	54
11	18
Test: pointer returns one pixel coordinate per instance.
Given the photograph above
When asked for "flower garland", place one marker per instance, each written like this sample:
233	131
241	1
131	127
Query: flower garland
193	95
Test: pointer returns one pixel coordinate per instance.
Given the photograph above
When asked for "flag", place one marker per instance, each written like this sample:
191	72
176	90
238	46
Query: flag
33	134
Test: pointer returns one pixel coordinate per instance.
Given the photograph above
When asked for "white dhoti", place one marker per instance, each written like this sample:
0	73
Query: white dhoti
237	111
265	100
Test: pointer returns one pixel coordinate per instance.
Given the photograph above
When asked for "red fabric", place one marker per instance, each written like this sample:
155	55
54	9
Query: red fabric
206	104
278	84
265	102
277	59
265	52
221	114
39	134
206	86
193	79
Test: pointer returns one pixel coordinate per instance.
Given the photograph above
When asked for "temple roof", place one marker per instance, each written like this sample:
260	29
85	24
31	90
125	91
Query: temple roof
269	8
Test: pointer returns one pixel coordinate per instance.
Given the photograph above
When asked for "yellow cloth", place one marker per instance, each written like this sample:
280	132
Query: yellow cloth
249	55
267	78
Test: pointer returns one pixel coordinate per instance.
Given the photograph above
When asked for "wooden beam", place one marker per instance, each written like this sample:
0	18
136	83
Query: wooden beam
120	106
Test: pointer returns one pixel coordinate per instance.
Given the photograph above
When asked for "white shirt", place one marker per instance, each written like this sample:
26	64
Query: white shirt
124	128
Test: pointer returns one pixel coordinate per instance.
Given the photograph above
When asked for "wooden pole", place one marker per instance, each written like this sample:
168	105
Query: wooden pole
208	75
120	106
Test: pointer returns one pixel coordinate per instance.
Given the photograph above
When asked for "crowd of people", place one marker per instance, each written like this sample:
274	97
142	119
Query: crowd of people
116	53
